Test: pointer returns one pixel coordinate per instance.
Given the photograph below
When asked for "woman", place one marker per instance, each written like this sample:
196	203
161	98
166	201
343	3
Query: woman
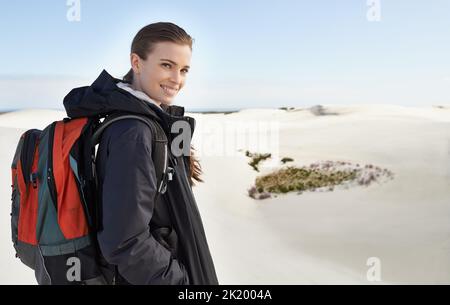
147	240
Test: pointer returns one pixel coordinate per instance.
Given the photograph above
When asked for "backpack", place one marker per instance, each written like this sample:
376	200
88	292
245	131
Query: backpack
54	213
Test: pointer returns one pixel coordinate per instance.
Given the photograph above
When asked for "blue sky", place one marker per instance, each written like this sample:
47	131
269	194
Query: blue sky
248	53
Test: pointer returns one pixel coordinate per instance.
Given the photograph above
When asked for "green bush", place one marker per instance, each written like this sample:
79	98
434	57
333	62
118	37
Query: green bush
300	179
286	159
256	158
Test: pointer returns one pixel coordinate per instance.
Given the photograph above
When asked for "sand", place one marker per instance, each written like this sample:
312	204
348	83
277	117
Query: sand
315	237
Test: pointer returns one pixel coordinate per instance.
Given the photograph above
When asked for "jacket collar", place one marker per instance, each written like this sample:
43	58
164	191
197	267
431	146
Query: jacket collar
104	96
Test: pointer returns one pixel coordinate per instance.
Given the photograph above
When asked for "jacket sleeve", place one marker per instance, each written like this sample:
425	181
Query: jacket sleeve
128	191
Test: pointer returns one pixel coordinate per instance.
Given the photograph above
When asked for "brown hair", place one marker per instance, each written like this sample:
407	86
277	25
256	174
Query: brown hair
145	40
143	44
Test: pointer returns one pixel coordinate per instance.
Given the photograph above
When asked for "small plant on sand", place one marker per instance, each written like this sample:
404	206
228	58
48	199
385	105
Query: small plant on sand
287	108
252	192
319	110
319	176
286	159
300	179
256	158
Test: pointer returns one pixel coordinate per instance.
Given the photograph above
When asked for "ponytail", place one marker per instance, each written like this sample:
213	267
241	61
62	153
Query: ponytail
128	78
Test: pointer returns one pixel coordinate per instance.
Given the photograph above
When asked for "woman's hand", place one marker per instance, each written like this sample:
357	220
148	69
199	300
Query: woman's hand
167	237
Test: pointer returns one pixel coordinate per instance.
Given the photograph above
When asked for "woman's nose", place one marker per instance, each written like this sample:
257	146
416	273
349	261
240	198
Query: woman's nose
176	77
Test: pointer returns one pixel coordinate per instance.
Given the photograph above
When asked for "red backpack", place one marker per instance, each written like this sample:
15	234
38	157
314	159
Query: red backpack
54	194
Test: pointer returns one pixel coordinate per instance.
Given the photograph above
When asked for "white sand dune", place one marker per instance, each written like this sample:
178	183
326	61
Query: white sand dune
315	237
30	118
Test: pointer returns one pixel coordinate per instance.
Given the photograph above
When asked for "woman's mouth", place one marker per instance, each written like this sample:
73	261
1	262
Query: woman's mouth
169	90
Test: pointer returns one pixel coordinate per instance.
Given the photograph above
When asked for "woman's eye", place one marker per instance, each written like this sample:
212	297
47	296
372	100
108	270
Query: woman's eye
170	66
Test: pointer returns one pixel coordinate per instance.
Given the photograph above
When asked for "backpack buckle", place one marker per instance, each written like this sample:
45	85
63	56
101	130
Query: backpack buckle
170	172
33	179
168	176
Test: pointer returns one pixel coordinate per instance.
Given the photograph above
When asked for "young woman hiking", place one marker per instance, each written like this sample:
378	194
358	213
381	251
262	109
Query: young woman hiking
147	239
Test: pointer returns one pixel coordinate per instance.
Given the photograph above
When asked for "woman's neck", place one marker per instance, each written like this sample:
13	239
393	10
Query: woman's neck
135	85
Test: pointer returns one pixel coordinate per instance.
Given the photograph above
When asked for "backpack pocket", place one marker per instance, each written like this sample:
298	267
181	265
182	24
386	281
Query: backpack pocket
78	266
24	197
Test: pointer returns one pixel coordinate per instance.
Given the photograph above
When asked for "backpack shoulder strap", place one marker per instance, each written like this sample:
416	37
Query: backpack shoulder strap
114	118
160	153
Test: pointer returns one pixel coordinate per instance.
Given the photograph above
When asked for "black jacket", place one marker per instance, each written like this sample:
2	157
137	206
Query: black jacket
148	242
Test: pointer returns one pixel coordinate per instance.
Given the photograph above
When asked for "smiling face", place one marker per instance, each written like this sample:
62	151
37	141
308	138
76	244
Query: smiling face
162	75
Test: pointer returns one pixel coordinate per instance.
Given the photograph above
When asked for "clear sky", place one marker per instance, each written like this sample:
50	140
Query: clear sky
247	53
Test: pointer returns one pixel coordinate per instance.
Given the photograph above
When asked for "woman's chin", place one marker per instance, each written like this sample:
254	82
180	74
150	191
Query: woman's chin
167	100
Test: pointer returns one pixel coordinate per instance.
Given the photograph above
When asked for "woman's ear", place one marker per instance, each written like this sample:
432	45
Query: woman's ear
135	62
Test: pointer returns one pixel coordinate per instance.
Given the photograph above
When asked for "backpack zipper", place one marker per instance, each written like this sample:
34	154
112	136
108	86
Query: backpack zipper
50	177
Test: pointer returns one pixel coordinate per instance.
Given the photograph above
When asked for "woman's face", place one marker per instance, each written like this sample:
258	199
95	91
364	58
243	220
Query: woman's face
162	75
